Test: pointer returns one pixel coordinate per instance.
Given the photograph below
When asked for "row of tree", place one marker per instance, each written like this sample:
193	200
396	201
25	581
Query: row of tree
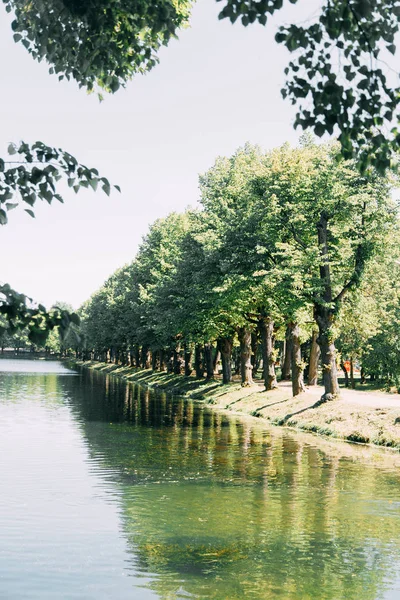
289	246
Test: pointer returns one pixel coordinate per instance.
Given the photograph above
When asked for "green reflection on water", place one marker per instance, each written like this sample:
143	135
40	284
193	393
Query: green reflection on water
220	509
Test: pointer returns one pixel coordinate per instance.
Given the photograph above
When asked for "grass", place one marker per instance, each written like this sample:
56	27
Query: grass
337	419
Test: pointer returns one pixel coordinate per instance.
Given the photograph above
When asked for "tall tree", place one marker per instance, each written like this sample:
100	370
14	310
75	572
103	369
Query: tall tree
334	221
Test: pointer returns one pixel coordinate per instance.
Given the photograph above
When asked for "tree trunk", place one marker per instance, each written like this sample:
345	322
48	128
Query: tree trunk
246	368
345	373
297	365
170	363
328	359
352	381
315	353
362	375
287	361
155	360
217	358
324	315
177	360
254	352
112	355
188	360
145	358
137	356
208	358
225	345
198	363
163	366
266	325
236	361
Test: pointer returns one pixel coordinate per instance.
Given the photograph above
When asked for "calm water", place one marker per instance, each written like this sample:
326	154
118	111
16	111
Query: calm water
109	492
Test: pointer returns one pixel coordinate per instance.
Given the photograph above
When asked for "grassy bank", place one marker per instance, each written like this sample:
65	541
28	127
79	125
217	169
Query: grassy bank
341	419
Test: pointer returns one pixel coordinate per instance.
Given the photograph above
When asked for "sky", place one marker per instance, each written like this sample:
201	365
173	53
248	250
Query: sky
216	88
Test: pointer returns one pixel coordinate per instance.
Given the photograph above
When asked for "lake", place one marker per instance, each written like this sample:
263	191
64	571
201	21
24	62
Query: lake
109	491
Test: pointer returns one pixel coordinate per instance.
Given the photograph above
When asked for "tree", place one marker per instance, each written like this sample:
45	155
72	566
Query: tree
246	236
334	221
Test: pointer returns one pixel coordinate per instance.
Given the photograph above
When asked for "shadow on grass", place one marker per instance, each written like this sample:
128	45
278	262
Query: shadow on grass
287	417
273	404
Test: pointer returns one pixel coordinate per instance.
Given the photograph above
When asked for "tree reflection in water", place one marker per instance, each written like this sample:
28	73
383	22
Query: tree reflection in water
219	508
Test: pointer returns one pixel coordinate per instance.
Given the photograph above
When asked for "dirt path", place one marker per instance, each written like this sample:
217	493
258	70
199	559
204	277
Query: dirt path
361	398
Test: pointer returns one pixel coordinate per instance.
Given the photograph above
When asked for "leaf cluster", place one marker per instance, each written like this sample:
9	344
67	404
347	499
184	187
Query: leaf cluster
337	76
97	43
18	312
38	168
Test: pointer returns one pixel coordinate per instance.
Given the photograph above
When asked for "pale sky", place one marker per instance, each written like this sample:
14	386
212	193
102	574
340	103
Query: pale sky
215	88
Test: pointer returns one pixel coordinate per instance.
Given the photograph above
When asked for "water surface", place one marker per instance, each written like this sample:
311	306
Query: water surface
110	492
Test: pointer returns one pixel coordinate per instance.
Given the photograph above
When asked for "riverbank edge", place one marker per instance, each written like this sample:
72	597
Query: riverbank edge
335	420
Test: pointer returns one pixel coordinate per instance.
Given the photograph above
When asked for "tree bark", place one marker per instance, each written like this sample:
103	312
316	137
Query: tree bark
254	352
266	326
297	365
155	360
246	368
236	361
324	315
217	358
352	380
137	356
163	366
170	362
198	363
208	359
315	353
287	361
328	359
177	360
226	345
145	357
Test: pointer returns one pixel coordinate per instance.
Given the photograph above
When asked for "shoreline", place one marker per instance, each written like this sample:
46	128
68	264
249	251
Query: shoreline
342	420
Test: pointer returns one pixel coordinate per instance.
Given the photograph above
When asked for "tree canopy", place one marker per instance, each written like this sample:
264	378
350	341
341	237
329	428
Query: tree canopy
285	240
97	43
338	75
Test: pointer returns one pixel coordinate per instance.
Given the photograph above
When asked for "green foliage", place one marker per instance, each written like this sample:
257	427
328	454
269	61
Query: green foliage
253	251
38	168
18	313
337	76
34	177
97	42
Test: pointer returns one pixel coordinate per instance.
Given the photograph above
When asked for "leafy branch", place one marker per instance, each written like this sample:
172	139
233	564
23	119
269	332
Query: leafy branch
19	312
32	182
